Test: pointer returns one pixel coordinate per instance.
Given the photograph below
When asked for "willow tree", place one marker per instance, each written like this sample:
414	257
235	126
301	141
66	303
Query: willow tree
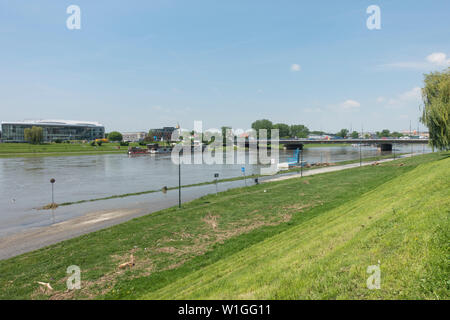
33	135
436	99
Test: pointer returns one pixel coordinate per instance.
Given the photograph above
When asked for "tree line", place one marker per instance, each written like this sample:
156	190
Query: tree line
285	130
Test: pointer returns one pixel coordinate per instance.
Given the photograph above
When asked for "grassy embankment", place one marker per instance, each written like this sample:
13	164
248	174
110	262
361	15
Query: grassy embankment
300	238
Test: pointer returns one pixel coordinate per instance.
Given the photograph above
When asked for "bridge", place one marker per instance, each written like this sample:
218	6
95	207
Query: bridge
383	144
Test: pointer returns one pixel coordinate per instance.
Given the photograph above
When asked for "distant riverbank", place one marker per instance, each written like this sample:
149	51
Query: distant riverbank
12	150
26	150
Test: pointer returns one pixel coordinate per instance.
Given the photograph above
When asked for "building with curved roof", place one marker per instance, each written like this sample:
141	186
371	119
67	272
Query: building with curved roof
53	130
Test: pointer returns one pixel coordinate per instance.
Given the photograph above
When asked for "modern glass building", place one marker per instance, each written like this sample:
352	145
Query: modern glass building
54	130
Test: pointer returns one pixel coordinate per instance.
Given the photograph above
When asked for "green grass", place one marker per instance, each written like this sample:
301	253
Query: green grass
177	245
8	150
401	225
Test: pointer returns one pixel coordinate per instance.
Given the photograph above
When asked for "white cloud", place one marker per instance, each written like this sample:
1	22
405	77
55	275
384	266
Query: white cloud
295	67
438	58
346	106
350	104
409	98
381	99
433	60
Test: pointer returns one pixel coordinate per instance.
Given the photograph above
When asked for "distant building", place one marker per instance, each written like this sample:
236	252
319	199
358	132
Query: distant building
164	134
134	136
53	130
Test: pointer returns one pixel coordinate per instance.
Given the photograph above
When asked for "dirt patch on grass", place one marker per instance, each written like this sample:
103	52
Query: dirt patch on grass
300	207
168	252
211	220
90	289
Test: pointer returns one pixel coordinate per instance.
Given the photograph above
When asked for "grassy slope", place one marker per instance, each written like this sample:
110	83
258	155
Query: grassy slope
403	224
172	243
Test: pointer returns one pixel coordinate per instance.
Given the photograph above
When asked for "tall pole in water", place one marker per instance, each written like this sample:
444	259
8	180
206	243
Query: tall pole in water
179	182
179	173
301	163
360	143
410	135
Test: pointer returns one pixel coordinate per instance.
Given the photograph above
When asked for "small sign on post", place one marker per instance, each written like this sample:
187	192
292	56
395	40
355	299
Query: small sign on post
243	172
216	176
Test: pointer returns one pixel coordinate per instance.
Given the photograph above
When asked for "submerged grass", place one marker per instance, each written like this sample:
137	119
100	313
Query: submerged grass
250	177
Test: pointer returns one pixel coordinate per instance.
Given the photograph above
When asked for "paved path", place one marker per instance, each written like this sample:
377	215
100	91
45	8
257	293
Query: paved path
311	172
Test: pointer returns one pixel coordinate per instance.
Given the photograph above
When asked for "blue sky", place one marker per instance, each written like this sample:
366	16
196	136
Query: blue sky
136	65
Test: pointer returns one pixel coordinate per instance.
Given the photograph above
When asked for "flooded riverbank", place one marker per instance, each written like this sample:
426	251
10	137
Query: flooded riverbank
24	182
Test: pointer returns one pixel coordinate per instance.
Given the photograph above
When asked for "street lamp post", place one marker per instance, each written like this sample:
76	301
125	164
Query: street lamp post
52	181
179	182
179	171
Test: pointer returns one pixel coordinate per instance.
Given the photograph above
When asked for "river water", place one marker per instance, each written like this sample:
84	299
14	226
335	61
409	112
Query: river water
25	186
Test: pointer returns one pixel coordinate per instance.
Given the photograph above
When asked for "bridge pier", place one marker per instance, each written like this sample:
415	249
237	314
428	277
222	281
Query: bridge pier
385	146
294	146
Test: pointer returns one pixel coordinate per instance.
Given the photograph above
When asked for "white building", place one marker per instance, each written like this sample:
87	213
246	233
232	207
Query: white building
134	136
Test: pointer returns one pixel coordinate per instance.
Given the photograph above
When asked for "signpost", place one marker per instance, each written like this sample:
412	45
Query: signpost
243	172
216	176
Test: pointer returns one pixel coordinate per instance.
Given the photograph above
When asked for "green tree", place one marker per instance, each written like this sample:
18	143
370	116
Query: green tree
355	135
384	133
343	133
34	135
262	124
283	130
396	134
299	131
436	100
115	136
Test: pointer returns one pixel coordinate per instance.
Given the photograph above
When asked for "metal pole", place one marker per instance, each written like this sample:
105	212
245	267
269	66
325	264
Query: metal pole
53	199
179	182
360	146
393	149
301	163
179	172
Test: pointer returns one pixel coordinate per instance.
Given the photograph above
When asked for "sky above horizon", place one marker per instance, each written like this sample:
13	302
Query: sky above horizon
137	65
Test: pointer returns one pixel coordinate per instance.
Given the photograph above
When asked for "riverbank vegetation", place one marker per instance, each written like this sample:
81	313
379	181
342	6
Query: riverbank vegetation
310	237
436	112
